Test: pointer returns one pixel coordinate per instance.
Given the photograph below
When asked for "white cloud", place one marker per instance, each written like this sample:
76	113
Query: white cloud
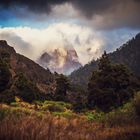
33	42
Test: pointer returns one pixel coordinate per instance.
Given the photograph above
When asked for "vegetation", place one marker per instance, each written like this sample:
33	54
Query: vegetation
5	75
62	86
107	110
27	90
136	103
36	121
110	86
80	102
128	54
13	83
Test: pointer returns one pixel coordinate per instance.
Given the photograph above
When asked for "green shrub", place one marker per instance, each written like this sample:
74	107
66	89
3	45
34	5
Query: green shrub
63	104
67	114
3	113
14	104
121	116
94	116
55	108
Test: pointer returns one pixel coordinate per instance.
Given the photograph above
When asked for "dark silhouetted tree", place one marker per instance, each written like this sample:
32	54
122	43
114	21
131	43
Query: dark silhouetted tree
80	102
110	86
5	75
62	86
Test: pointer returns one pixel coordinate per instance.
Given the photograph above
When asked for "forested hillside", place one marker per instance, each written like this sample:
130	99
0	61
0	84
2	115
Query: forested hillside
128	54
20	76
36	104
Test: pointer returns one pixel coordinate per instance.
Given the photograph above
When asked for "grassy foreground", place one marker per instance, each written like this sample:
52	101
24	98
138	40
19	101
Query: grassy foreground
57	121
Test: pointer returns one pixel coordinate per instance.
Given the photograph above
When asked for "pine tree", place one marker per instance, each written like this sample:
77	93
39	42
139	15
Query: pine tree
104	63
62	85
110	86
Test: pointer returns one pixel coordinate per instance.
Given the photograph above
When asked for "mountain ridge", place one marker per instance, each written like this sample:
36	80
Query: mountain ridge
128	54
42	78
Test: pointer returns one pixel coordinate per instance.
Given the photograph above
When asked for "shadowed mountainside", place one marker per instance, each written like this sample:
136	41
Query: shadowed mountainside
23	74
128	54
20	63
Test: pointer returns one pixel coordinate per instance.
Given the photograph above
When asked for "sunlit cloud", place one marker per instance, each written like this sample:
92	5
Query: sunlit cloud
33	42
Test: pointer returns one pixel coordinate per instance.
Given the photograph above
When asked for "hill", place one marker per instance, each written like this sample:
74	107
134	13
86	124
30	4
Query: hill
20	71
20	63
128	54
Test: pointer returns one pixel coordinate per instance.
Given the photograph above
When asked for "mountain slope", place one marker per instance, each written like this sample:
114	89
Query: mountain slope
128	54
20	64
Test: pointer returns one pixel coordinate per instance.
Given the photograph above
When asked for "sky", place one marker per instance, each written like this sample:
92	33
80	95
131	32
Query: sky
89	26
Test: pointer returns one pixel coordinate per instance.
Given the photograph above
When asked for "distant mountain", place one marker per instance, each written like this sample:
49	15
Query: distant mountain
41	77
128	54
61	60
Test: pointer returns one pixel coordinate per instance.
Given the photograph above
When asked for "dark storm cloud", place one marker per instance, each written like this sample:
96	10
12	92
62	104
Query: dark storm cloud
40	6
105	14
87	7
92	7
108	14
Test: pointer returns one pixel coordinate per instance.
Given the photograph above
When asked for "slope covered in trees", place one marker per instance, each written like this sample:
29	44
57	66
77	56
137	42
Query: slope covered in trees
20	63
107	110
128	54
20	76
110	86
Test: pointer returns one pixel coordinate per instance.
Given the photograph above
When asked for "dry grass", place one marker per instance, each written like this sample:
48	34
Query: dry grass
24	122
58	128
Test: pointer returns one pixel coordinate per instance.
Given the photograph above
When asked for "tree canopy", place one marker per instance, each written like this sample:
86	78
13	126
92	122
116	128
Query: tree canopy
62	85
110	86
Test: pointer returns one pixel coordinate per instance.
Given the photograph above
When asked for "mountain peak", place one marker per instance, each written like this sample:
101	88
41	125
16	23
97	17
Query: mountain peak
61	60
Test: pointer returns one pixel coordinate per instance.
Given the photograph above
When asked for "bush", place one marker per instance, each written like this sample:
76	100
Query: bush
136	103
15	104
94	116
121	116
3	113
67	114
55	108
63	104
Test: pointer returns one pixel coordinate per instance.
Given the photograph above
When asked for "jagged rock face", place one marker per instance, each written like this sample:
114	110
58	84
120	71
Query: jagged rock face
61	60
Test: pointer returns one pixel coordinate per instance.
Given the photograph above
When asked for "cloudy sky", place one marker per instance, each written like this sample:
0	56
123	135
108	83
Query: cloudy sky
88	26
